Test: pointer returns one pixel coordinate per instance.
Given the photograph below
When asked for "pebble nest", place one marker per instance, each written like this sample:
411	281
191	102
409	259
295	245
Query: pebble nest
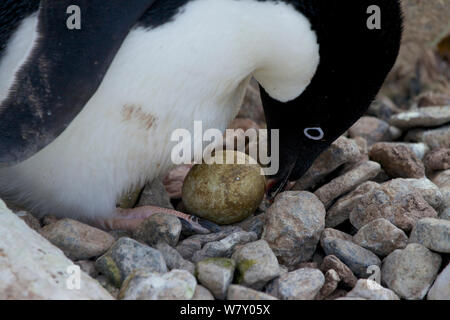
370	220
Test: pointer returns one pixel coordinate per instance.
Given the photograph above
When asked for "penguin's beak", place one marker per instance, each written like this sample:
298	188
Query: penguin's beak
275	186
278	183
296	156
296	150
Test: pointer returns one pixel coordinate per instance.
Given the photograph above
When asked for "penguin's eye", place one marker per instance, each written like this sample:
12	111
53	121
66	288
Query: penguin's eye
314	133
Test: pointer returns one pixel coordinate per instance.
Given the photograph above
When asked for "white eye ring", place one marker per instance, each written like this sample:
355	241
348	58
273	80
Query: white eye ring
314	137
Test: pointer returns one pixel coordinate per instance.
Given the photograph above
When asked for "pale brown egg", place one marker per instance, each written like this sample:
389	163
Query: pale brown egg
224	193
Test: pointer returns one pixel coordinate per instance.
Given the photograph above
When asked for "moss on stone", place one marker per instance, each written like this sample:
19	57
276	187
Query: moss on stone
243	266
110	269
221	262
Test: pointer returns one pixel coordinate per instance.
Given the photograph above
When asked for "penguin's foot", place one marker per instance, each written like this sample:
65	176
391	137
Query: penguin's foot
130	219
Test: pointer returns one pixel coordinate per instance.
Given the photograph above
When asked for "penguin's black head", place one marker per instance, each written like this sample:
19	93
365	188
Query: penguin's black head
355	58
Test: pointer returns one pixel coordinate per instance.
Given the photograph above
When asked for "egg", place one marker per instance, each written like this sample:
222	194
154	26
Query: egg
224	193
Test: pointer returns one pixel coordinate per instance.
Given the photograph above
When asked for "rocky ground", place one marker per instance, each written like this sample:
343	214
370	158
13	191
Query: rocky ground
370	220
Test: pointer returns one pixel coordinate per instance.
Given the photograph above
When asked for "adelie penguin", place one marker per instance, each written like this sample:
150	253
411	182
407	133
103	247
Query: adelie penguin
86	114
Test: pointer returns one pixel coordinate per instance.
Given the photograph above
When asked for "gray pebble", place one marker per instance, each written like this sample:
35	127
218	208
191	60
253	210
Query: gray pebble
127	256
355	257
433	234
410	272
173	258
159	227
381	237
225	247
77	240
302	284
293	227
257	264
216	274
174	285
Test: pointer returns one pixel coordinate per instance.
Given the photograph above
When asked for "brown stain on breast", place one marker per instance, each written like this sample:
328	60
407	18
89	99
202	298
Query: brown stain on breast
132	112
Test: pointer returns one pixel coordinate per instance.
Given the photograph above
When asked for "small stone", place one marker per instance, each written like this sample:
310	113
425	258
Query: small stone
175	285
212	237
395	133
88	266
340	152
257	264
433	234
441	287
363	150
187	249
397	160
155	194
236	292
438	159
372	129
442	180
127	256
434	138
302	284
355	257
78	240
272	286
381	237
173	258
159	227
340	211
395	201
333	233
422	117
419	149
432	98
202	294
293	226
332	280
224	248
216	274
347	182
410	272
371	290
253	224
383	108
429	191
345	274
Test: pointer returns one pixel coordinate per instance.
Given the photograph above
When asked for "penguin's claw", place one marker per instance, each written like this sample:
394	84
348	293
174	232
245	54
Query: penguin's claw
130	219
195	225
